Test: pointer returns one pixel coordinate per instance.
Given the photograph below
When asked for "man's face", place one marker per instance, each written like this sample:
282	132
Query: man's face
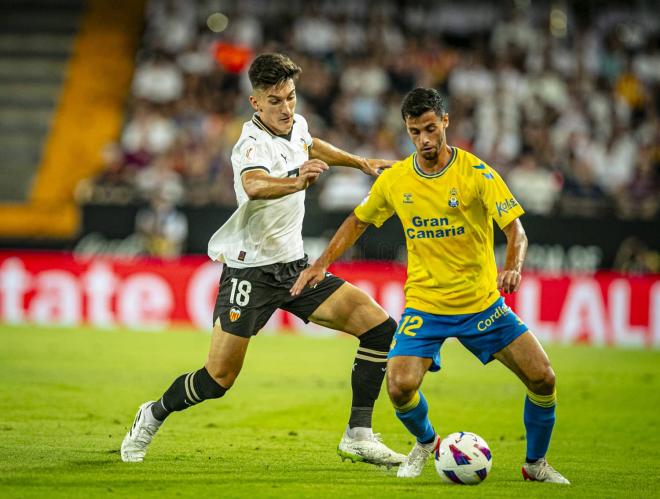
427	133
276	106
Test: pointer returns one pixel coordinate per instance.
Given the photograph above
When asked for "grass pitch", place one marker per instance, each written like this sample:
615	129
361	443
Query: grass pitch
67	397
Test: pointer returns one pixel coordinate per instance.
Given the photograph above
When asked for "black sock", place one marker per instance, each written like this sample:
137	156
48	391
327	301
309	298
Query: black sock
368	372
187	390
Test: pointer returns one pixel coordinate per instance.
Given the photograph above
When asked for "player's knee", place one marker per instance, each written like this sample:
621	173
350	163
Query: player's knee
401	386
544	381
400	395
379	337
221	375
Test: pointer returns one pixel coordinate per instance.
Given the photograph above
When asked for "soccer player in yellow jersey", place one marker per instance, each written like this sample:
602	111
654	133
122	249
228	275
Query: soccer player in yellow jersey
447	199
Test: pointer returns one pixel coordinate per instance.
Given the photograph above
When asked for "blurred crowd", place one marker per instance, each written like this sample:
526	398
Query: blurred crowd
562	100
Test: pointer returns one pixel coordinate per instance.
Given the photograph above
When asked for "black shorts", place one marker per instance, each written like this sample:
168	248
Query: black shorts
247	298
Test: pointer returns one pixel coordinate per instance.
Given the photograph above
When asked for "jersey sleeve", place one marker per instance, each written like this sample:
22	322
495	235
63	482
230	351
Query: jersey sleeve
497	198
252	155
375	208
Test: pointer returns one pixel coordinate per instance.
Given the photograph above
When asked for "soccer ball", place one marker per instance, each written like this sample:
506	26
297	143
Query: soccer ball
463	458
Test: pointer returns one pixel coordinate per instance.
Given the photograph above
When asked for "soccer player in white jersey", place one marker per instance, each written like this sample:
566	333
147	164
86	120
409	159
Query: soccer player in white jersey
262	248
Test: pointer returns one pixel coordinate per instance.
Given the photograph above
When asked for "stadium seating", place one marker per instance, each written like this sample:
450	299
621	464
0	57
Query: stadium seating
64	74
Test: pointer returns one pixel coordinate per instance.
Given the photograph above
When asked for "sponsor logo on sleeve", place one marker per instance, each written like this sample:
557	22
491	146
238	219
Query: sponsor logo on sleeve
505	206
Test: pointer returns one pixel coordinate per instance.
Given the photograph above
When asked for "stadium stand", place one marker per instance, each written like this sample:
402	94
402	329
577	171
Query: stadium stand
64	70
567	106
36	42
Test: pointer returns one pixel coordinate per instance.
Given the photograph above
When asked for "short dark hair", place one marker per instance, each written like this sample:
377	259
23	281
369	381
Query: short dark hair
272	69
422	100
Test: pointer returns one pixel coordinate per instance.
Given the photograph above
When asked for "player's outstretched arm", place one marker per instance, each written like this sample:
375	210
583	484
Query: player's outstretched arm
344	238
509	278
336	157
259	185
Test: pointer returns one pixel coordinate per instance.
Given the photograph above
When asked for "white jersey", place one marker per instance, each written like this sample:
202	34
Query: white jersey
264	231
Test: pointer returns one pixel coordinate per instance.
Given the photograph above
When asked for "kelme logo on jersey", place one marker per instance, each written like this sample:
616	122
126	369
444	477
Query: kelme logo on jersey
486	174
453	199
505	206
500	311
234	314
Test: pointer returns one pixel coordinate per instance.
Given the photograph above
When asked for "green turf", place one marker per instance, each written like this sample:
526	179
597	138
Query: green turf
68	396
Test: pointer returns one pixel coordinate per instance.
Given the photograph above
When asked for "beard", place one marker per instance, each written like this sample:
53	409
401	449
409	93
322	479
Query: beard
431	155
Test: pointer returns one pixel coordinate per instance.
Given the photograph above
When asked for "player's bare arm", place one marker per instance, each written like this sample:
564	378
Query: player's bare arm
345	237
258	184
508	280
334	156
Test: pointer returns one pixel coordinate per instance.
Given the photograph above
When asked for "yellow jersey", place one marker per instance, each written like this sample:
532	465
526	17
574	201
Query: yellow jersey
447	220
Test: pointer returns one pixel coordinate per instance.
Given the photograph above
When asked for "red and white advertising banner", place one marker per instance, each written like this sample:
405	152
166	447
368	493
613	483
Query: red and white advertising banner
60	289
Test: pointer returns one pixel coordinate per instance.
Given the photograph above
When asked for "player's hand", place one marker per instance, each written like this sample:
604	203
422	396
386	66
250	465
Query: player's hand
309	171
311	276
508	281
375	167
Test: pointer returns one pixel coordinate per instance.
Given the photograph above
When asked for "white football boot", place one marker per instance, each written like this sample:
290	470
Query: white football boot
145	426
413	465
541	471
362	444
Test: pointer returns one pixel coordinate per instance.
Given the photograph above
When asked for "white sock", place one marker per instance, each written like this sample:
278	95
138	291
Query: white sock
360	433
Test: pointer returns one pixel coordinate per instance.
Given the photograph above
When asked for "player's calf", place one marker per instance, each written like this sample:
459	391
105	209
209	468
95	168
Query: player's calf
187	390
539	414
369	369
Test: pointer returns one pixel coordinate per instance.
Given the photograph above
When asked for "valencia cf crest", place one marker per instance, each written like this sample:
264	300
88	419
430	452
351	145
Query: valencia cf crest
234	314
453	198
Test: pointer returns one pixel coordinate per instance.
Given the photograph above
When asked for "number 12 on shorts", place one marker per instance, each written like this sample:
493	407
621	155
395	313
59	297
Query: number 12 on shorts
241	298
410	324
